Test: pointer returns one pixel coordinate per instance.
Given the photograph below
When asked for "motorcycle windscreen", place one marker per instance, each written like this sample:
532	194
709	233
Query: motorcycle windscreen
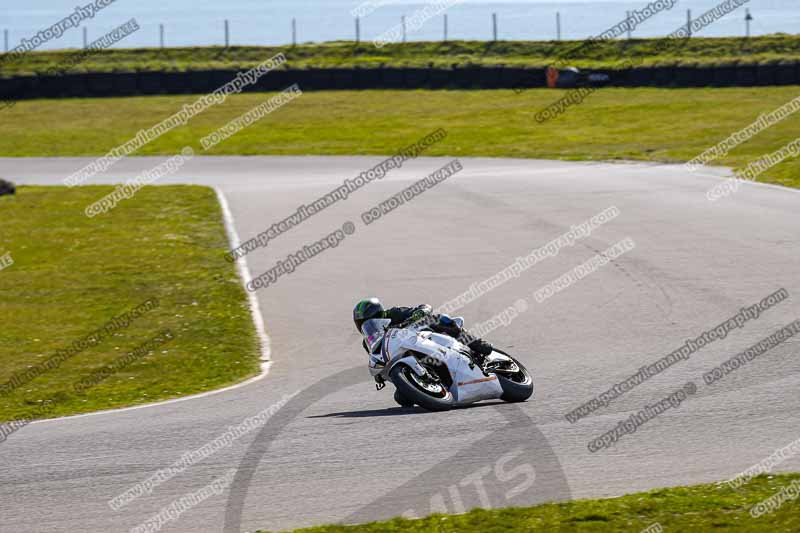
373	331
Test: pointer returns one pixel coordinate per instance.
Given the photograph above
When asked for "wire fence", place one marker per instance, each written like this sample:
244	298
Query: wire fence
495	30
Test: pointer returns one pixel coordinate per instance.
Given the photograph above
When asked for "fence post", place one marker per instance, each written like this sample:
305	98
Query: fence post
494	27
85	39
161	35
558	25
747	18
445	27
628	19
403	21
358	30
689	22
227	34
294	32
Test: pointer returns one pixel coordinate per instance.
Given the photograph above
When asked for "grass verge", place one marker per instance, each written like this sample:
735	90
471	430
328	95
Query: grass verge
697	508
769	49
666	125
71	275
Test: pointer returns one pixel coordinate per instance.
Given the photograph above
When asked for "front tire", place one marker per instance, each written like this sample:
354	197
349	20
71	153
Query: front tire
401	400
429	393
517	382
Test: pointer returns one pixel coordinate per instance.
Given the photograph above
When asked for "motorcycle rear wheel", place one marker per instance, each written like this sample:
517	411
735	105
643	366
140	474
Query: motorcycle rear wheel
428	393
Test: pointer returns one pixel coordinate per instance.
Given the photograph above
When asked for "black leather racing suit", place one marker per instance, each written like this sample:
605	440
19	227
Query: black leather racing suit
400	315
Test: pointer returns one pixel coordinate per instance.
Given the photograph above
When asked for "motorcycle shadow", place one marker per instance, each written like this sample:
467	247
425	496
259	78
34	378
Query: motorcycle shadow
401	411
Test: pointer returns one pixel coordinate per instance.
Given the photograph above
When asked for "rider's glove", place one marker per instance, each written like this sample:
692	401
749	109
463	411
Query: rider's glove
446	321
448	326
421	312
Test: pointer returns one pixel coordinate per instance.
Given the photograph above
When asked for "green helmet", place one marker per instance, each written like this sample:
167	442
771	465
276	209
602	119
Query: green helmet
366	310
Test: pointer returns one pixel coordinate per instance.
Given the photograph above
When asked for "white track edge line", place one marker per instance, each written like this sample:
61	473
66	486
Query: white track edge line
755	183
247	277
255	311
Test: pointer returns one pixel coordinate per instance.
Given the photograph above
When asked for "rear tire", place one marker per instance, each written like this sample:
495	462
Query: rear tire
407	383
517	387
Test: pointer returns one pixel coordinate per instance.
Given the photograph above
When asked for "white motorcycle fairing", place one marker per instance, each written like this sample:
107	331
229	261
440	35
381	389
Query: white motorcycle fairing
469	385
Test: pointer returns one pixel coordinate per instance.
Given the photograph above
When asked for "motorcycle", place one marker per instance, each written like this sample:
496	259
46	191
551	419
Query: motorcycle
436	371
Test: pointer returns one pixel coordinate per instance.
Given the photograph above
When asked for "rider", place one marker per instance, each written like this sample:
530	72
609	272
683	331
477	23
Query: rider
372	308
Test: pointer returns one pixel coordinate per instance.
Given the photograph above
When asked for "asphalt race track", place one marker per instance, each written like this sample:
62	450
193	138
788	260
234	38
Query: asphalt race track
341	451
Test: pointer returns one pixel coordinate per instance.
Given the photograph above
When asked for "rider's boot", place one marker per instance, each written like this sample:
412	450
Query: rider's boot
481	349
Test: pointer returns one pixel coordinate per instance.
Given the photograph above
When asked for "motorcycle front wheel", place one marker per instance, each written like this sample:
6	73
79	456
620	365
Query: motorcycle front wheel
426	391
401	400
515	379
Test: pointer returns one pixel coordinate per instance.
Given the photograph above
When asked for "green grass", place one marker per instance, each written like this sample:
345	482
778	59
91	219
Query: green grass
72	274
697	51
667	125
698	508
